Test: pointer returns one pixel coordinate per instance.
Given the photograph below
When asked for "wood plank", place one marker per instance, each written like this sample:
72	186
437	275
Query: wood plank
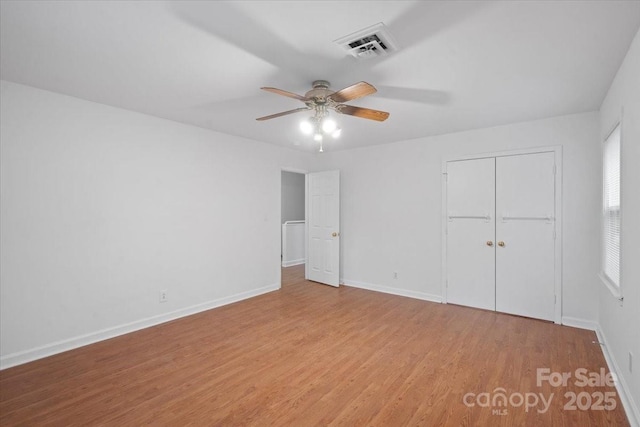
311	354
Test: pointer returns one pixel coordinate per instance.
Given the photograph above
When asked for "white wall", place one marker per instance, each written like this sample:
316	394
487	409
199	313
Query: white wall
620	323
292	196
391	207
102	208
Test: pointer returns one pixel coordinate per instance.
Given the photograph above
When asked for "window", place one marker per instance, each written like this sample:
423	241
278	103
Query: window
611	211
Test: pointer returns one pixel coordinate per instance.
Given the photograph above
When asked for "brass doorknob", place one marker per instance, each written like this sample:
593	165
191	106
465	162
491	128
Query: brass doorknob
501	243
489	243
334	234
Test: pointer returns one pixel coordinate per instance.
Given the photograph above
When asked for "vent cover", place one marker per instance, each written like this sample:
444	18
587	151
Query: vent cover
368	43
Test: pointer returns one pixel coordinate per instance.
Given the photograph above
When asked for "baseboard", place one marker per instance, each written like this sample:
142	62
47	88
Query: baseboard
293	262
575	322
30	355
393	291
630	407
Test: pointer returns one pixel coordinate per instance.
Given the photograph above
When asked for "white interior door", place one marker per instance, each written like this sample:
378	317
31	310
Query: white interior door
324	227
470	233
525	233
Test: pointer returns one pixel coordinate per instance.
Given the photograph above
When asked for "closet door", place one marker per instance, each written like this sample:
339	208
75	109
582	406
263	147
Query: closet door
470	229
525	233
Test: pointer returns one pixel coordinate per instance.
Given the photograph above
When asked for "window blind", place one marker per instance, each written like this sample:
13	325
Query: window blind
611	207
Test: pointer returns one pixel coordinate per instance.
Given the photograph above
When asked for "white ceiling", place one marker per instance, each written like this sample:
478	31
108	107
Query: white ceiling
460	65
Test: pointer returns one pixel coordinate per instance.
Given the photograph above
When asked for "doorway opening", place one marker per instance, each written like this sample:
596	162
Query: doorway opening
293	248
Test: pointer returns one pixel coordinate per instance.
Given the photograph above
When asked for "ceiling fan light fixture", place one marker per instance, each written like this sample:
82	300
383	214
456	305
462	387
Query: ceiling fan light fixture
320	99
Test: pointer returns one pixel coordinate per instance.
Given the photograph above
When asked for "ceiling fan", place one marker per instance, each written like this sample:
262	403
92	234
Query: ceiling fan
321	99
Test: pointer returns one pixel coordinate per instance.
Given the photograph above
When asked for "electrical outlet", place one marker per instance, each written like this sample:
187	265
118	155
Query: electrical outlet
630	362
164	296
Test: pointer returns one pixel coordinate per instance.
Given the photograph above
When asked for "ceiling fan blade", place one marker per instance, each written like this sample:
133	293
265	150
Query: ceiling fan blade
285	93
284	113
355	91
364	113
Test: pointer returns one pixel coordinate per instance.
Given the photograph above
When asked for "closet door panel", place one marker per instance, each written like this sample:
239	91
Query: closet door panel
525	225
470	233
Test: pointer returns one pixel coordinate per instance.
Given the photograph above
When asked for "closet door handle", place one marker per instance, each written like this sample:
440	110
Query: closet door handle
489	243
501	244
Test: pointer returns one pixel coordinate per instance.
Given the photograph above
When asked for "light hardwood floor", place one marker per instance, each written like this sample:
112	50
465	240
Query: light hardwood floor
310	354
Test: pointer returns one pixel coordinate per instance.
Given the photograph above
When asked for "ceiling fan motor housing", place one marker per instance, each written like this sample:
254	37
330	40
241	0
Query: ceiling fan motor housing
319	92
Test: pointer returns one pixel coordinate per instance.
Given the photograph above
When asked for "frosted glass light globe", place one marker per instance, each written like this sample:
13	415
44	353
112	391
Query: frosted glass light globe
328	125
306	127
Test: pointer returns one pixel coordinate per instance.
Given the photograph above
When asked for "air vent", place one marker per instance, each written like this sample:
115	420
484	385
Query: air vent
368	43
